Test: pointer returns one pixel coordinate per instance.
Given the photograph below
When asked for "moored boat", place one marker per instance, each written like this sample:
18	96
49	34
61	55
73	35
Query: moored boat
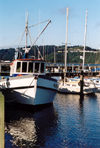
28	83
73	87
31	88
95	81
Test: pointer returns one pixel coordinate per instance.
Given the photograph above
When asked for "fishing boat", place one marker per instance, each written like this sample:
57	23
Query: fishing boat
28	83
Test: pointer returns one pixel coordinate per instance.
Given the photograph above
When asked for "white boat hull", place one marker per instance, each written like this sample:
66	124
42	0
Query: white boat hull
29	90
95	81
71	89
85	91
43	96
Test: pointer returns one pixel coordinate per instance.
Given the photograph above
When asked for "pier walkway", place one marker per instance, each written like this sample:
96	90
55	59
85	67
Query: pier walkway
57	69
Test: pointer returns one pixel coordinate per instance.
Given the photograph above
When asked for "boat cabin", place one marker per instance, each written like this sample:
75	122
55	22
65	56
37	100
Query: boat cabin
27	66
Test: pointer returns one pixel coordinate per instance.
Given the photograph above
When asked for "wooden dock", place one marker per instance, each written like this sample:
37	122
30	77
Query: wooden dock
2	141
57	69
73	74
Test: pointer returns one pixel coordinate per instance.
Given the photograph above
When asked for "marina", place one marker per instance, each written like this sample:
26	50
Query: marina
49	92
57	69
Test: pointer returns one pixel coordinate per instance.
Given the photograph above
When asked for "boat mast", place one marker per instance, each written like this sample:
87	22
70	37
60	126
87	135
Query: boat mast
54	55
26	30
66	41
66	44
84	40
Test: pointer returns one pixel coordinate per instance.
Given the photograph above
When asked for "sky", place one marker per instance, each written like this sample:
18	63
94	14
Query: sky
13	17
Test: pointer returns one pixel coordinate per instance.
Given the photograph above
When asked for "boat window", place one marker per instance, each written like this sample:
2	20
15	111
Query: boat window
37	67
24	67
18	66
42	67
30	68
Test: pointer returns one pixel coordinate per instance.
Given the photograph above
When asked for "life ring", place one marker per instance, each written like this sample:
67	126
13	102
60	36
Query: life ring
19	75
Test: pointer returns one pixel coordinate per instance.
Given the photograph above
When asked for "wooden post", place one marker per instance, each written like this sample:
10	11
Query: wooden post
81	83
99	74
2	121
72	68
0	68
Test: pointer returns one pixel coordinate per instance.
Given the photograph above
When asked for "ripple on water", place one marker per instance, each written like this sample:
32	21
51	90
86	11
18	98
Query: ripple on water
69	122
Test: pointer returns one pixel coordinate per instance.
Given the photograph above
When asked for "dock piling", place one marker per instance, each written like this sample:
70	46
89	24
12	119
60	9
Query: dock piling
1	121
81	83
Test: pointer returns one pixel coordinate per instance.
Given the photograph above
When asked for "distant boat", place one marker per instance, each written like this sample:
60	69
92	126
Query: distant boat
28	83
73	86
95	81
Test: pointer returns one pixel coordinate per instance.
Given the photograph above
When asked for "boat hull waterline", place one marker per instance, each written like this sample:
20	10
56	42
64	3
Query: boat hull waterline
29	90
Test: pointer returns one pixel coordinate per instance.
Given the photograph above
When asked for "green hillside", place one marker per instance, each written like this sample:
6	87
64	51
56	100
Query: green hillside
92	56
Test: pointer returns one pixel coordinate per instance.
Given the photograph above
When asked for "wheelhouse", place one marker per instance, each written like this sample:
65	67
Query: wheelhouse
27	66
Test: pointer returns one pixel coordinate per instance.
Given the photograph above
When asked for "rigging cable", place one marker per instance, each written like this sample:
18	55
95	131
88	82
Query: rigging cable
11	46
34	44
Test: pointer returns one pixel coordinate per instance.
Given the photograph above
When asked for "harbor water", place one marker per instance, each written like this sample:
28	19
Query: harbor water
71	122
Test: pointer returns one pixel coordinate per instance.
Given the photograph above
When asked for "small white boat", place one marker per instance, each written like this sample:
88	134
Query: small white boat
28	83
73	87
95	81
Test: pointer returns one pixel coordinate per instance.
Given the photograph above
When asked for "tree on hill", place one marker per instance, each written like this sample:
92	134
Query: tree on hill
48	52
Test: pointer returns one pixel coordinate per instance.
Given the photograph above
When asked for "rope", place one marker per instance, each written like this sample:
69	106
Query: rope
35	44
5	54
30	38
28	86
22	93
13	44
5	88
22	38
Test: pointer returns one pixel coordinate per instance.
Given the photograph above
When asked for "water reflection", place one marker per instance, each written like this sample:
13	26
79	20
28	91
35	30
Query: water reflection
73	121
22	131
81	107
29	129
80	118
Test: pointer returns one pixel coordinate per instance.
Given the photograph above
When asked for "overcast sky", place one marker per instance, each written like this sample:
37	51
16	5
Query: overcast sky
13	17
